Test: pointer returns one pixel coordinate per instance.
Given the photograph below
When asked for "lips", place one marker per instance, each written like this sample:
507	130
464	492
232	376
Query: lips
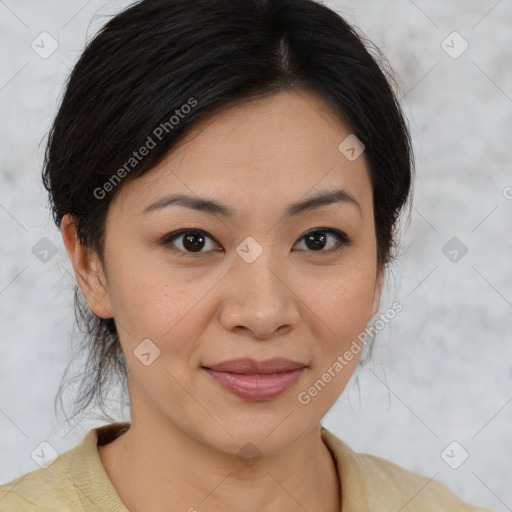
251	367
256	380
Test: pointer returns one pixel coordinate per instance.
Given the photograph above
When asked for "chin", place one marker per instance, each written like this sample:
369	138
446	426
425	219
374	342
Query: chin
265	432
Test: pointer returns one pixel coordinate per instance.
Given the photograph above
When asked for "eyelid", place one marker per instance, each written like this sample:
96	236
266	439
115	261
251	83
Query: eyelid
342	238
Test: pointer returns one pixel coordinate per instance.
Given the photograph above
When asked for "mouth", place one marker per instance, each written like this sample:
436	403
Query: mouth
256	380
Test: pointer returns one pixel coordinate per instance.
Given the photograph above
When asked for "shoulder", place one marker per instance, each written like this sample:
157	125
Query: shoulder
42	490
383	486
412	490
73	481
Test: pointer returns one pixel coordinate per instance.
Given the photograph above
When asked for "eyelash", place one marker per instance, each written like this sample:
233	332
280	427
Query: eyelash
342	238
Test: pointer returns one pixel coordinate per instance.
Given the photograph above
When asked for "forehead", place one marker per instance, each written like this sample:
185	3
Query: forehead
258	153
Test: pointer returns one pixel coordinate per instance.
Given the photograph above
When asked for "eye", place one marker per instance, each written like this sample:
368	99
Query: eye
317	240
191	242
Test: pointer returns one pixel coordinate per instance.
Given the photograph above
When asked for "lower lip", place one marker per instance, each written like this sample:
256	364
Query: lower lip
256	387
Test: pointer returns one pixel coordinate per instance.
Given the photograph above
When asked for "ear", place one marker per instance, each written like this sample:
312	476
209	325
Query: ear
379	282
88	270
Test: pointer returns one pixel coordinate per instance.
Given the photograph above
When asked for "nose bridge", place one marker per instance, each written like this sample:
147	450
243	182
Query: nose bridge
258	270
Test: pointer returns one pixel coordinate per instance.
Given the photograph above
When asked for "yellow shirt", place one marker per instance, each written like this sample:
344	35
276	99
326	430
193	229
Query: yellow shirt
77	482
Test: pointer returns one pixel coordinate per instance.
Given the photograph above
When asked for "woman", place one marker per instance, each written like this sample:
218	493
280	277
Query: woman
227	176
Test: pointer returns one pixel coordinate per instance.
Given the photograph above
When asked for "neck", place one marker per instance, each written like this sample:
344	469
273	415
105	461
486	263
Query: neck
157	466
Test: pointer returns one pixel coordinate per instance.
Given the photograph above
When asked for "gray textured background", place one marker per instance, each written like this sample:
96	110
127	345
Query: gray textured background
442	369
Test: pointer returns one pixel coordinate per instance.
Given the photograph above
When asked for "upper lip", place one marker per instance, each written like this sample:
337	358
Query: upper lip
249	366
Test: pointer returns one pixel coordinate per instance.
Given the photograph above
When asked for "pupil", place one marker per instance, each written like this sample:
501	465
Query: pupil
316	237
189	244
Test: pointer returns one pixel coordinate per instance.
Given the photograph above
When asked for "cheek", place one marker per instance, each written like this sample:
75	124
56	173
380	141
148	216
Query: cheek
339	313
348	305
159	304
340	300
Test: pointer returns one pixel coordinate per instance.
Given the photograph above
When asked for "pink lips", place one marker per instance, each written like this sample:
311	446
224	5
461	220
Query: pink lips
256	380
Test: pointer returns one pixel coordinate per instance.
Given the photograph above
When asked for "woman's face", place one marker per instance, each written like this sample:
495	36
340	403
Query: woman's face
251	284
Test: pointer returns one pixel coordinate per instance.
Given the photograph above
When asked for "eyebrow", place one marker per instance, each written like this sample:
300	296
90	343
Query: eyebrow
217	208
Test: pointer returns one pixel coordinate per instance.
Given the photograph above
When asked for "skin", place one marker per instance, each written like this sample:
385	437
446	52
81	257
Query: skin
293	301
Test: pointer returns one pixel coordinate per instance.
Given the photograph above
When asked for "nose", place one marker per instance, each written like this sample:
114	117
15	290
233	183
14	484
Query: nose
259	300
